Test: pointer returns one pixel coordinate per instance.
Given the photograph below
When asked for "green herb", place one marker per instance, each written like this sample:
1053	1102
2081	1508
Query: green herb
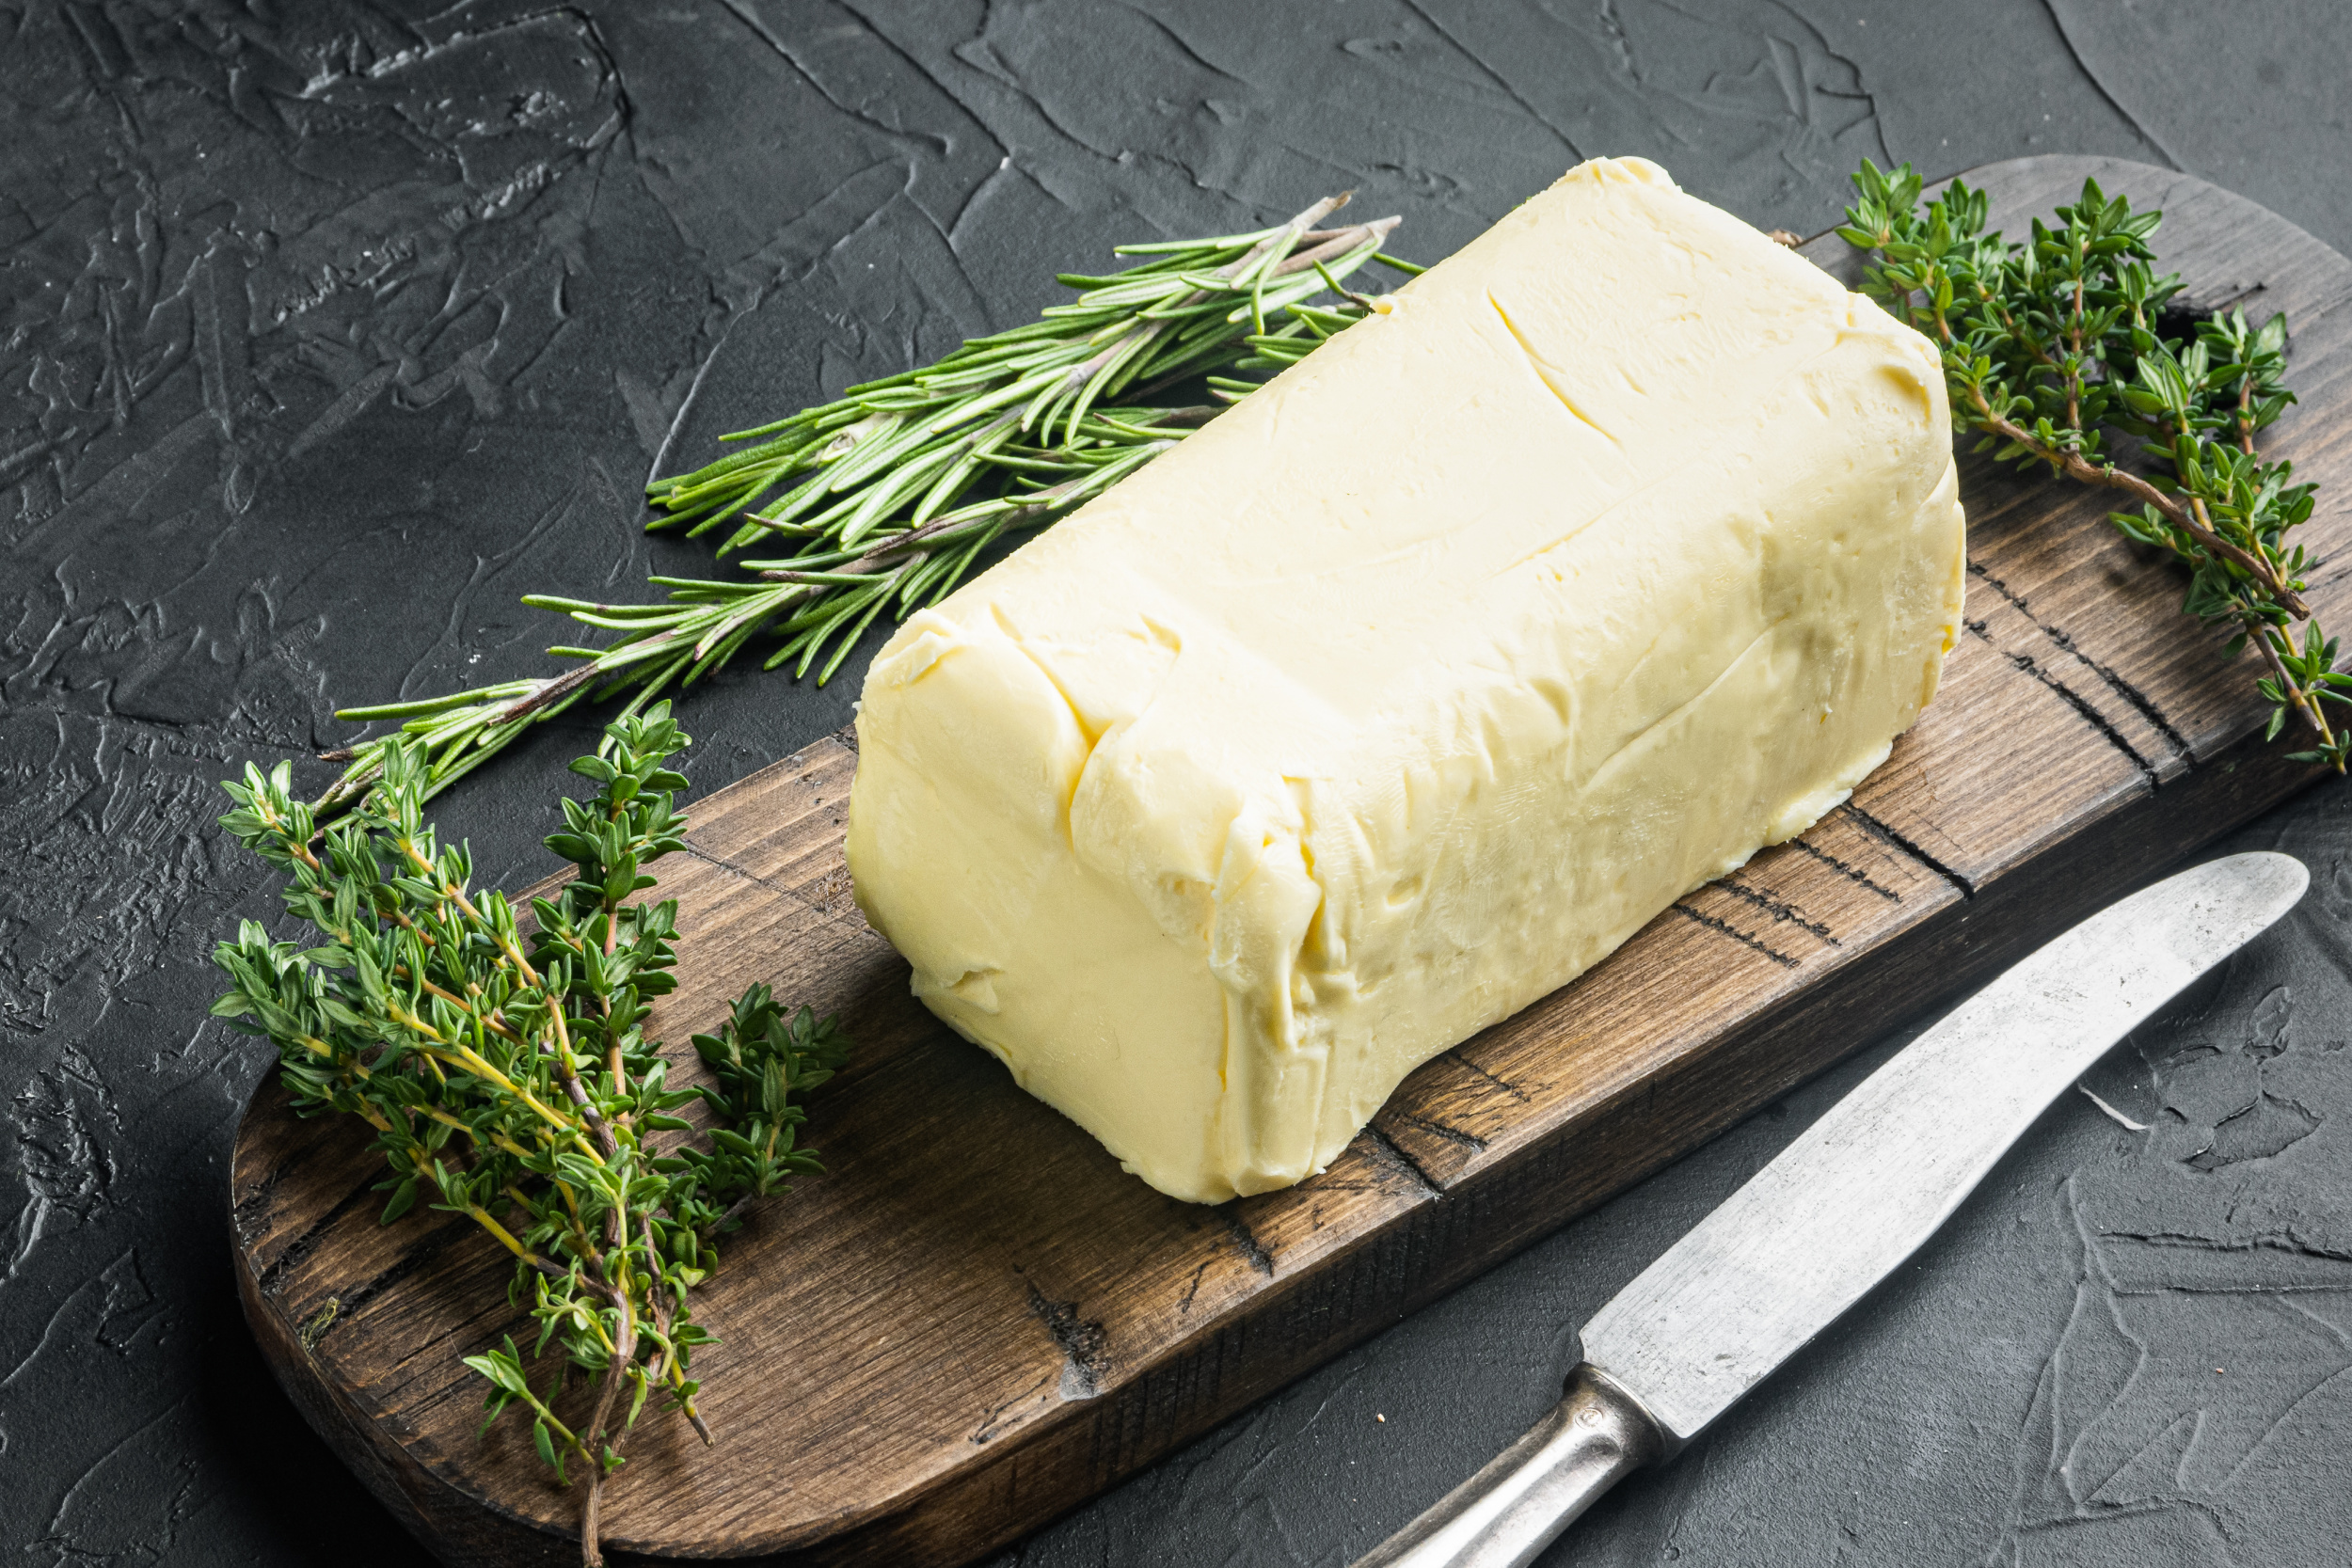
2048	343
882	500
508	1075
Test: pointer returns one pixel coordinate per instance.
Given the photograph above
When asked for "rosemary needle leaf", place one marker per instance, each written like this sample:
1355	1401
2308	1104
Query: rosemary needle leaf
1004	433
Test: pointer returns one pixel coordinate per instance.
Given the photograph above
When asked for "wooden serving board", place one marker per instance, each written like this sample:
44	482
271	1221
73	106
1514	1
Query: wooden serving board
977	1321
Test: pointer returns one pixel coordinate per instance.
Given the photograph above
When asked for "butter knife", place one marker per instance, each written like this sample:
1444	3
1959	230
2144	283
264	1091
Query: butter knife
1838	1209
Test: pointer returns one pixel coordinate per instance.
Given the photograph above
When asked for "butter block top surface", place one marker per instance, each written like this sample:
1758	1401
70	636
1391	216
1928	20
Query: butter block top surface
1616	546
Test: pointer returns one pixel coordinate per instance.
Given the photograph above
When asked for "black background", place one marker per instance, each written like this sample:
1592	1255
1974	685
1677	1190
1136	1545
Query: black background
328	329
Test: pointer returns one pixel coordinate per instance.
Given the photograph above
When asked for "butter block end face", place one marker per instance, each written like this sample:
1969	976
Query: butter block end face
958	843
1411	686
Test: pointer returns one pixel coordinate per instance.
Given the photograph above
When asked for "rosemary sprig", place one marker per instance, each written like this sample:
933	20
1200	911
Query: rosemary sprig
882	500
2047	343
922	440
508	1076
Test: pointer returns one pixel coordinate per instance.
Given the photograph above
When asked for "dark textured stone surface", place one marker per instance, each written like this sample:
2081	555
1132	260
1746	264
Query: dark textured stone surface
327	329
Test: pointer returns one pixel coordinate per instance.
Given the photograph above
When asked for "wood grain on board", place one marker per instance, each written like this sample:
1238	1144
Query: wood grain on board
977	1321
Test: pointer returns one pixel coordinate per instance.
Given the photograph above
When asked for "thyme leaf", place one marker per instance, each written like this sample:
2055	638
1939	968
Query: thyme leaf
2052	342
508	1076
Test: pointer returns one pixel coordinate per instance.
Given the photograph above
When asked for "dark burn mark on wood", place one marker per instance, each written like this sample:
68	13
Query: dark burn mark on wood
828	909
1454	1056
1084	1347
1384	1152
1727	928
2090	715
1779	909
1894	840
1471	1141
1853	873
1193	1289
1251	1250
2140	699
2125	689
2005	591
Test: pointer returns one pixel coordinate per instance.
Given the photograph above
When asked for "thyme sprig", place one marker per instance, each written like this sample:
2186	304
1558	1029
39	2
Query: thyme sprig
2050	343
508	1075
881	501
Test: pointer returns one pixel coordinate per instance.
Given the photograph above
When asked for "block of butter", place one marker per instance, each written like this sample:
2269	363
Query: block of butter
1615	548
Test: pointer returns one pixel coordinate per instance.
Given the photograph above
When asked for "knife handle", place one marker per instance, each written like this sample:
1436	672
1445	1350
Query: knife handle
1509	1512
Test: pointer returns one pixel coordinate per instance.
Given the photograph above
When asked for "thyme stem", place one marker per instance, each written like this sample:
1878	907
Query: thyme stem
2050	343
430	1013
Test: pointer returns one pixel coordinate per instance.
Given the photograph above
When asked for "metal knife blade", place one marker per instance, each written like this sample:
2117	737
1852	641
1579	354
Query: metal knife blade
1841	1206
1862	1188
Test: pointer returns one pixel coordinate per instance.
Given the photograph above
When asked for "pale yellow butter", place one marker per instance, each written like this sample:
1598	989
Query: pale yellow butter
1623	544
